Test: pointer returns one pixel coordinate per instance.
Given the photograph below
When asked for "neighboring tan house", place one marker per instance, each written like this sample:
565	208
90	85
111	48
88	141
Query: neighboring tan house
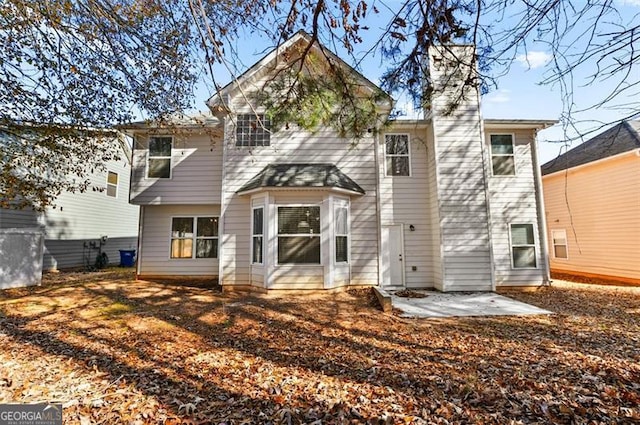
592	202
447	202
80	220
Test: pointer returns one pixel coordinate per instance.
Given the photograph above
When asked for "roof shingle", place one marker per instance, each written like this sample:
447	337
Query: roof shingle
301	176
618	139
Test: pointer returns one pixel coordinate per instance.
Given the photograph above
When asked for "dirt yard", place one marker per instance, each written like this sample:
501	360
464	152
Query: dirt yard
113	350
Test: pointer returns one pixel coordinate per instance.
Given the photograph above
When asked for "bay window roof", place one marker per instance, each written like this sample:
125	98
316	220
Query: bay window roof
300	176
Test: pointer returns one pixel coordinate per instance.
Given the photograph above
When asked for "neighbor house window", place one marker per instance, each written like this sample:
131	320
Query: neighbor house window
523	247
503	160
253	130
257	241
112	184
341	220
560	244
159	157
194	237
299	235
397	154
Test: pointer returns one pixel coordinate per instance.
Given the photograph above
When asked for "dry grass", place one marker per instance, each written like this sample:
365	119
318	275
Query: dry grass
118	351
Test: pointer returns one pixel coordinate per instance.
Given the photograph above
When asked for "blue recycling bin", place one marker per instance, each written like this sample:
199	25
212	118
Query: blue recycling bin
127	257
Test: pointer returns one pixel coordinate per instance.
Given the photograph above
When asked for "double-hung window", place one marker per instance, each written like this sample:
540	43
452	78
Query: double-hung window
523	246
397	154
341	223
112	184
194	237
503	162
253	130
257	237
299	235
560	244
159	157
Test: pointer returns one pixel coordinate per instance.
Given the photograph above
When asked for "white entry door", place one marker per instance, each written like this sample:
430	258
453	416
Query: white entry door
392	256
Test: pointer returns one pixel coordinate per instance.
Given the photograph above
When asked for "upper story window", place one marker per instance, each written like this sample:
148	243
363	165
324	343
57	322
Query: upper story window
159	157
397	154
112	184
253	130
299	235
503	160
523	246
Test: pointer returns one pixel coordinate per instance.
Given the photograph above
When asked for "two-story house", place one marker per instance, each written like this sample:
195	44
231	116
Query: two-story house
450	202
74	227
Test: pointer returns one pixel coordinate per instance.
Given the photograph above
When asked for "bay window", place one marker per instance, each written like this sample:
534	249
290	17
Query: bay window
299	235
257	237
341	223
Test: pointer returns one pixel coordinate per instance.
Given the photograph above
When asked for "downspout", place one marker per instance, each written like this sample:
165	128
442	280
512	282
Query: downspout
140	209
542	217
376	149
487	197
139	252
223	215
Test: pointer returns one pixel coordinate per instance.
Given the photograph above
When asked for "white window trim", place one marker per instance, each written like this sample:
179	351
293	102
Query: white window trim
566	244
535	248
170	157
113	185
515	162
342	203
195	237
261	117
408	155
253	235
319	235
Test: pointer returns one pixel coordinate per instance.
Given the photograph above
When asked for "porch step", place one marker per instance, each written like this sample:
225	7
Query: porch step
384	299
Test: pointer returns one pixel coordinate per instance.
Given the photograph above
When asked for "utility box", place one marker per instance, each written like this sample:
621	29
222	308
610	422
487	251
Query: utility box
21	253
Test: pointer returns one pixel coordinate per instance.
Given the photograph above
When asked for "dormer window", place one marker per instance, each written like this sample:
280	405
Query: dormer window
253	130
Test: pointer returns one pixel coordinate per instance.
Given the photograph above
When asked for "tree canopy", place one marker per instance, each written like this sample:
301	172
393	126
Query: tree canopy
94	64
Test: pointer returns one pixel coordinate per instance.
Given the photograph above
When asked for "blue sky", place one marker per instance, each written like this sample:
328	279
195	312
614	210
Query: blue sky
519	93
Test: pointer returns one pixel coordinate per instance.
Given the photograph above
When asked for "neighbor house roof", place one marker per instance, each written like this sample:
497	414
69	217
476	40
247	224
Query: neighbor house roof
618	139
301	176
195	121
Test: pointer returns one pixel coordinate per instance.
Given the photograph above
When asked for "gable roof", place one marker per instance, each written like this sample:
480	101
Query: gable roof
265	60
302	176
618	139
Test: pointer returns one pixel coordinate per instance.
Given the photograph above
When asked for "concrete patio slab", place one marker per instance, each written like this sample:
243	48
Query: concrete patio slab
435	304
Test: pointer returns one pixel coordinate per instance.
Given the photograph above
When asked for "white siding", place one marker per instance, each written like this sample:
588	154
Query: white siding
154	258
406	200
460	184
82	217
196	174
513	201
599	207
297	146
18	218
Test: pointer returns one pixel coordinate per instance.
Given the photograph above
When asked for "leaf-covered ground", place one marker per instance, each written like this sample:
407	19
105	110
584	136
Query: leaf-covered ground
113	350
